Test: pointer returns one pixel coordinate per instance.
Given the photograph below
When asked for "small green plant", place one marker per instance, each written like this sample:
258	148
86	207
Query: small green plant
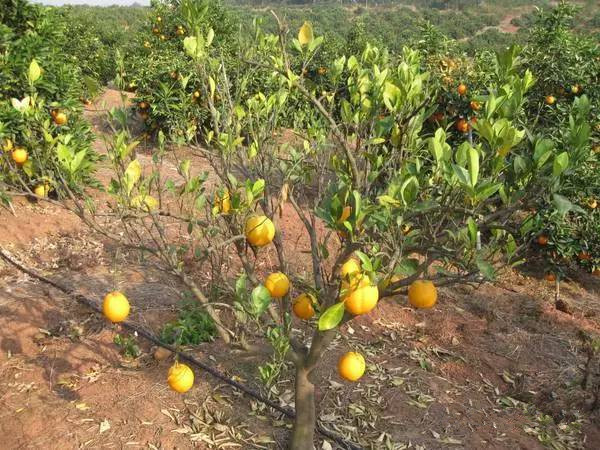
270	371
128	345
192	327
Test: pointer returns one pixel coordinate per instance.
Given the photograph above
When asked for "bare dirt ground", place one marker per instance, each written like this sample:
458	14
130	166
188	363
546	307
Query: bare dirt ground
495	367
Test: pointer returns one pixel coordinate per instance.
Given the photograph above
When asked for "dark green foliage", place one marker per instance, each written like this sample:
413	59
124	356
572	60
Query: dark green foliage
192	327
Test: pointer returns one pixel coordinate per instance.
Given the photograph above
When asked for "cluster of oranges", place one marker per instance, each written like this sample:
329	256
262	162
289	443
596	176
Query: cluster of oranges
357	292
157	29
20	156
462	124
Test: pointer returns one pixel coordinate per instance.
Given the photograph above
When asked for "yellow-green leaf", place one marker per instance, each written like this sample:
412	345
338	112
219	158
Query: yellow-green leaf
305	35
34	71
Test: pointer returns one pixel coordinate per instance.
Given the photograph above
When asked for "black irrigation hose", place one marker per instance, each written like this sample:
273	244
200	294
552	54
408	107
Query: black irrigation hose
288	412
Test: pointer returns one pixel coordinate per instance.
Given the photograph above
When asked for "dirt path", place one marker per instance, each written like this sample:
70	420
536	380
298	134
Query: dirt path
494	367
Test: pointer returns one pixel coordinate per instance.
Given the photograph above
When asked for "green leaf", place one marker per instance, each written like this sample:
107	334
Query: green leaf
261	297
77	160
305	34
34	72
258	188
486	269
132	174
407	267
486	190
409	190
331	317
562	204
462	174
472	226
561	162
190	44
365	260
473	165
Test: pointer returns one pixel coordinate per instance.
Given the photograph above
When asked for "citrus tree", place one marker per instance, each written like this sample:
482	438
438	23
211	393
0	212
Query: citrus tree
45	142
567	65
391	205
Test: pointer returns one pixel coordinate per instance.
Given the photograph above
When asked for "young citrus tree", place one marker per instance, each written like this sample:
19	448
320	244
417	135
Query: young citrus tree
387	207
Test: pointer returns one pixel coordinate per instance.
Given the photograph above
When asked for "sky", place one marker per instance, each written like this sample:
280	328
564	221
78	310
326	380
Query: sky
92	2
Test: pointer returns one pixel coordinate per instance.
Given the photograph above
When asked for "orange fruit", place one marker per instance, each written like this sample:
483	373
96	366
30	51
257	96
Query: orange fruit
196	94
260	230
475	106
60	118
592	203
550	277
143	105
147	44
462	125
277	284
180	377
303	306
350	268
362	300
422	294
542	240
550	100
584	256
41	190
115	307
462	89
19	155
351	366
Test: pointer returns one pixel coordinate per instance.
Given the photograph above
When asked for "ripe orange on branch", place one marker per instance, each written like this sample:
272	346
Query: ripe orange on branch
260	231
351	366
303	306
422	294
278	284
20	155
362	299
350	267
60	118
462	125
462	89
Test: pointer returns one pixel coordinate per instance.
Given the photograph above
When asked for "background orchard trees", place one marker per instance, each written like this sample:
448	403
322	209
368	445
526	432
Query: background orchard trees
44	141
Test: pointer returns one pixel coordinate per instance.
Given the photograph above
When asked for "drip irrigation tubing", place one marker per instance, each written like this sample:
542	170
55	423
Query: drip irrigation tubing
288	412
